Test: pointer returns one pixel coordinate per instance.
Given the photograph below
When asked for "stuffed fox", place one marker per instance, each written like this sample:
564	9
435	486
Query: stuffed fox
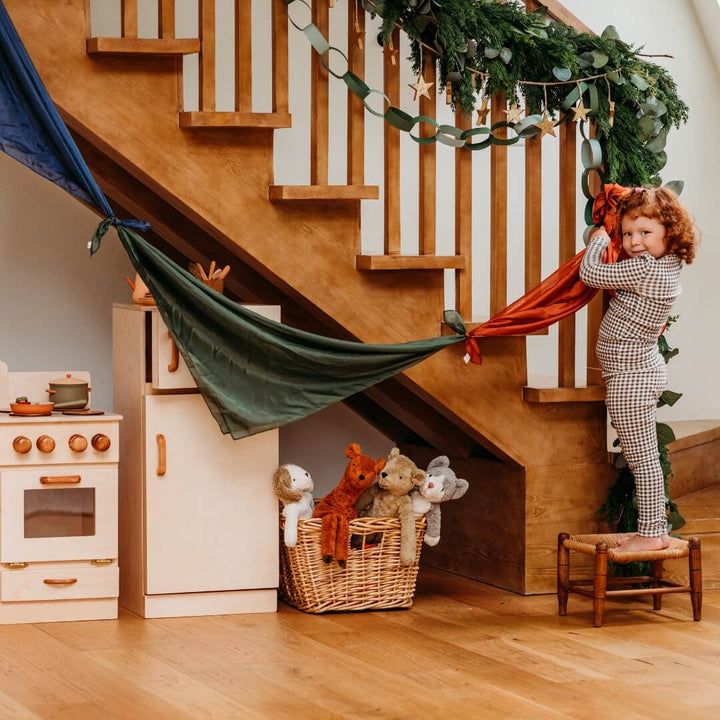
338	507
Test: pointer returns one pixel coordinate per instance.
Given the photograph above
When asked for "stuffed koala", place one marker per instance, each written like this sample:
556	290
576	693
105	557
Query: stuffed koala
389	497
441	484
294	486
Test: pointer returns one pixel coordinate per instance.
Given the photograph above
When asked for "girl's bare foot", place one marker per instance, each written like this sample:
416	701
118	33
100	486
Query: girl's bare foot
638	543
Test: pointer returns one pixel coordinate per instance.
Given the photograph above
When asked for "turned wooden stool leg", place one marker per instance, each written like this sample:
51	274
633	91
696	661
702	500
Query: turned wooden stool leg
657	576
599	582
563	574
695	578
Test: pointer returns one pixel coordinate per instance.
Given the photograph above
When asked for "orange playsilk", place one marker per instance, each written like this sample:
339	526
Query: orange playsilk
558	295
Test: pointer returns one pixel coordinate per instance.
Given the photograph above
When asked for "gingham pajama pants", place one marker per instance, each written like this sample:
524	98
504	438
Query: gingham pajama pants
631	401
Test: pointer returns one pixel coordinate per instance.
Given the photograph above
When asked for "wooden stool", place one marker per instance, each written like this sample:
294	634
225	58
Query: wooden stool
604	548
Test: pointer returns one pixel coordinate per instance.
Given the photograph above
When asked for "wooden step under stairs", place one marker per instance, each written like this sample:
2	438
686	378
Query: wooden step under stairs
695	487
535	466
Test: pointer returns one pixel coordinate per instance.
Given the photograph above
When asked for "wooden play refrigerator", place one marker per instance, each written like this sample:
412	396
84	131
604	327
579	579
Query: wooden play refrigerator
198	517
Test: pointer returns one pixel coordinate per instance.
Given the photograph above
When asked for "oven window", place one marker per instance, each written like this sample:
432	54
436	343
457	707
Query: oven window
59	512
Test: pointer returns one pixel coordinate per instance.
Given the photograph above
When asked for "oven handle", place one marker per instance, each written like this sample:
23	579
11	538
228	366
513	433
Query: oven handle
60	479
60	581
161	455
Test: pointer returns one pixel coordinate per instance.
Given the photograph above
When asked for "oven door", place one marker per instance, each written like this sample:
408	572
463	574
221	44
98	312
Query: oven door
58	513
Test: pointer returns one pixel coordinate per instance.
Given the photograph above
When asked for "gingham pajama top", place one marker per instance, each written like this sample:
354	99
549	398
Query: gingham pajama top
646	289
633	369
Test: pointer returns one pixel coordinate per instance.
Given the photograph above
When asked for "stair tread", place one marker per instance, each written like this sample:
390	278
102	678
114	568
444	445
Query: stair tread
688	433
409	262
142	46
590	393
323	192
215	119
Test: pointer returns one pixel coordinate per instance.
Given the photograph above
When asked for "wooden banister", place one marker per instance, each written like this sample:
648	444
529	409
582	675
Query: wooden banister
356	109
391	173
206	79
243	55
166	18
463	221
533	201
279	56
567	242
498	209
427	165
319	108
129	18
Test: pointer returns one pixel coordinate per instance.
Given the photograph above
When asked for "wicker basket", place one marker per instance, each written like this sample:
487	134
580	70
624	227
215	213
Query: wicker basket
374	579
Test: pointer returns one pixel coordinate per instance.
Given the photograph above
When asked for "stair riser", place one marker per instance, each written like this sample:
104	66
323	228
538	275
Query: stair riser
677	570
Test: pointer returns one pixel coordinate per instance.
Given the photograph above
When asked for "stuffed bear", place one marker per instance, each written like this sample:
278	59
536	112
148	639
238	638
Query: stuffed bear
294	486
441	484
337	508
389	498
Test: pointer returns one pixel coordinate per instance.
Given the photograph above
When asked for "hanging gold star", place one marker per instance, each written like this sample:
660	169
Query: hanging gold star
580	112
421	87
483	112
514	114
546	126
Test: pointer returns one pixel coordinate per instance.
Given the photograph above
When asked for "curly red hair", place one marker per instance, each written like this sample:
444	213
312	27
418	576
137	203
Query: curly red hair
663	205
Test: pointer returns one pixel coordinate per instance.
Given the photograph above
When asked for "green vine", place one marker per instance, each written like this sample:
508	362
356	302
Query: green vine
484	46
620	506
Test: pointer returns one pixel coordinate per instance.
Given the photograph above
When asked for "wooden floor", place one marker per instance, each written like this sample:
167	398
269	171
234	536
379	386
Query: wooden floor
464	650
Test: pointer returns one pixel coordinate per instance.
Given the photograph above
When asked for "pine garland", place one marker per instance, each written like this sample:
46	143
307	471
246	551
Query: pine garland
509	45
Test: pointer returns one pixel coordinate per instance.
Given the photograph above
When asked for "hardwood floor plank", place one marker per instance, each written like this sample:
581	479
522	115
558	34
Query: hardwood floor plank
464	650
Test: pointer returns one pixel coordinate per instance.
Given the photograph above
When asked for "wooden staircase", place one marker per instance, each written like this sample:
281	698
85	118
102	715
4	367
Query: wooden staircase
536	459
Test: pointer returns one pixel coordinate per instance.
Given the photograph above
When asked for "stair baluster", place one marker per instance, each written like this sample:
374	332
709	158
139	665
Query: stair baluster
129	15
498	209
568	241
463	221
243	55
391	136
166	18
427	164
206	65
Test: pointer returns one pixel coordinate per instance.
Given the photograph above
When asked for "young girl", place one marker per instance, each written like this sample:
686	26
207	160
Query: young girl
657	237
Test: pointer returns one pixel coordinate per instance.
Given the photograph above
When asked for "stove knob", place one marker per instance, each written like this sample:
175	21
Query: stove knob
77	443
101	442
21	444
45	444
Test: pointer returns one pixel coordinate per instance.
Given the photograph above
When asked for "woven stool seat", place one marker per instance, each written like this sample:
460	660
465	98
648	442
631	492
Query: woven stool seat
604	548
588	543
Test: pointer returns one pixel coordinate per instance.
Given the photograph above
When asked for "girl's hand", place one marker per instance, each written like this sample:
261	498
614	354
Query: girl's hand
599	232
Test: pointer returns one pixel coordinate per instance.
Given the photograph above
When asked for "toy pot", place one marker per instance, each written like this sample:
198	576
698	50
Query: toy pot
69	392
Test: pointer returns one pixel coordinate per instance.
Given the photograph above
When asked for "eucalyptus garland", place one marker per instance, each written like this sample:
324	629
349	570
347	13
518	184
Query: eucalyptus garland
482	46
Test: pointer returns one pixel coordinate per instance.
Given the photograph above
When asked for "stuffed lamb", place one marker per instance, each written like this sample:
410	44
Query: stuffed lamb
441	484
294	486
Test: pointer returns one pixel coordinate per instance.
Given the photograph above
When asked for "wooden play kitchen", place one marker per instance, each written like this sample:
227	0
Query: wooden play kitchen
58	505
198	516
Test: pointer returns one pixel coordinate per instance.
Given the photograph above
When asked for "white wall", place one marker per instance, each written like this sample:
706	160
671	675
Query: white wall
64	319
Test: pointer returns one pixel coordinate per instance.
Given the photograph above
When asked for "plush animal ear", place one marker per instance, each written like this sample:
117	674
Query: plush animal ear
418	476
379	465
439	461
353	450
461	489
393	453
282	485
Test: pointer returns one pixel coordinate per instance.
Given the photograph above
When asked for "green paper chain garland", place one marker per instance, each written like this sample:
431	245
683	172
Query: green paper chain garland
528	51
